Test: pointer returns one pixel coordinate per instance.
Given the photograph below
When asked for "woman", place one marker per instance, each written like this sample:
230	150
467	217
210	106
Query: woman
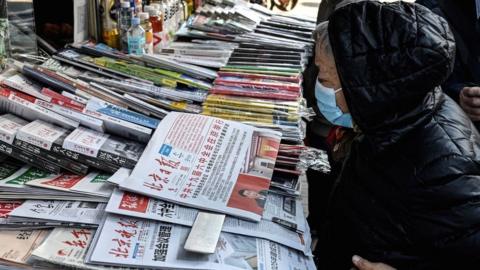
409	191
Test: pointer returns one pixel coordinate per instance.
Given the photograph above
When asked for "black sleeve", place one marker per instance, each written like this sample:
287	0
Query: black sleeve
457	80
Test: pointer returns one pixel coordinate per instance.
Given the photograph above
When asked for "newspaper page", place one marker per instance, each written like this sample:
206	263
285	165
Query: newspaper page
25	174
67	247
23	84
142	243
93	184
196	160
20	244
119	176
9	223
285	210
16	186
250	192
5	208
23	106
64	211
135	205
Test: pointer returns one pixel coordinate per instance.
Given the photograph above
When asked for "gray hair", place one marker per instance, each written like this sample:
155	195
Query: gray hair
322	41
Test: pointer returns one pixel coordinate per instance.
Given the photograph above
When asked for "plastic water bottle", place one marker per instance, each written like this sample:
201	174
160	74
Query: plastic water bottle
136	38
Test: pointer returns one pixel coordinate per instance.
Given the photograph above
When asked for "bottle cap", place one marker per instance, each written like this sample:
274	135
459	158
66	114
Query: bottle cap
125	4
135	21
143	16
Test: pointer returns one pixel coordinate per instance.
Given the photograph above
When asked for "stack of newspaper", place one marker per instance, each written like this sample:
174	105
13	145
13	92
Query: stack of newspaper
193	163
19	181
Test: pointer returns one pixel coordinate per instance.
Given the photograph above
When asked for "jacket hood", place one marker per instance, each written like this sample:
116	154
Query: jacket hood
390	57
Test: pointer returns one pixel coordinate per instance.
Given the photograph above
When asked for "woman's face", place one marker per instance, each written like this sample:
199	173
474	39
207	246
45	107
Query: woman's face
328	76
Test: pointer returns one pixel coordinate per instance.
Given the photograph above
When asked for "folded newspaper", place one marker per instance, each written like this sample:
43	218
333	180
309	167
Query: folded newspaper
67	247
9	223
207	163
62	211
20	245
92	184
14	179
132	242
134	205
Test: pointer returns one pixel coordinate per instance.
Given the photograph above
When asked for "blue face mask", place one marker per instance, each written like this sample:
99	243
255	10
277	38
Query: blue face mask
328	106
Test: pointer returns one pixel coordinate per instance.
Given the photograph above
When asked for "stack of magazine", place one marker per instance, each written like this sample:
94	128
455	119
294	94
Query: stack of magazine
260	77
106	159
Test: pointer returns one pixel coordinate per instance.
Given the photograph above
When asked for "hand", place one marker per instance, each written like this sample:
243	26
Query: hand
363	264
470	102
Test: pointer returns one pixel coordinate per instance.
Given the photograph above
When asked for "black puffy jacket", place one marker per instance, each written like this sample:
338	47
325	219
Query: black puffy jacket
409	191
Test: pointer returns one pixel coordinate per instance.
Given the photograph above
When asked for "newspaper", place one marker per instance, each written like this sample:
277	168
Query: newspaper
20	244
119	176
24	106
285	210
14	180
23	84
5	208
208	163
85	120
64	211
17	179
141	243
67	247
93	184
9	223
130	204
